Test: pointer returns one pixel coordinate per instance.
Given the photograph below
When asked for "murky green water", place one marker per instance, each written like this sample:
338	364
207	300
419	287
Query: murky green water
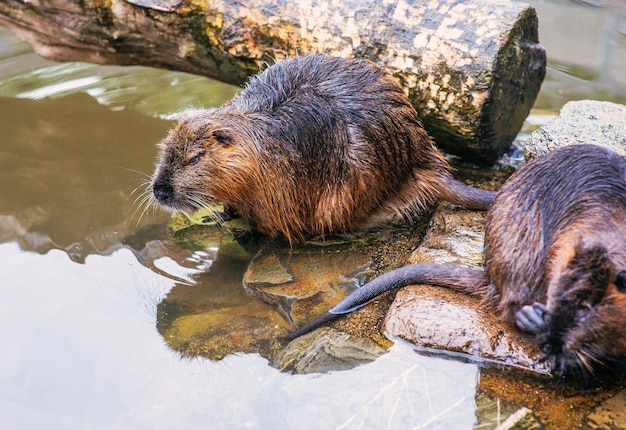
82	275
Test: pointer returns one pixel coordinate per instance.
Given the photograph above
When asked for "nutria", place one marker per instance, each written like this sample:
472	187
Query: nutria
312	145
555	259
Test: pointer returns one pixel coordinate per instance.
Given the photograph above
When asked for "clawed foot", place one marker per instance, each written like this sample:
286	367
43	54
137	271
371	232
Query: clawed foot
530	318
220	217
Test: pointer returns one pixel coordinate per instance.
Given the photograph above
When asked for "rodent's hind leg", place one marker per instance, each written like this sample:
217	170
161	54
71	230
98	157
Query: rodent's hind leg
530	318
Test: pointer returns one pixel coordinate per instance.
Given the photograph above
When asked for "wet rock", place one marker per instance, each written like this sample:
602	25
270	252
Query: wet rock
456	236
209	314
438	318
214	333
581	122
212	316
303	283
326	350
611	414
433	317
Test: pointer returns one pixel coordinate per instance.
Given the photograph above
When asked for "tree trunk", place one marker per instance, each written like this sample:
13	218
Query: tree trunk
472	68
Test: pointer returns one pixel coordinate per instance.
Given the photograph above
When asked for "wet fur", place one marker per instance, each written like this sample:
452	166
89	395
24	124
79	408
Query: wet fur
555	259
556	235
311	146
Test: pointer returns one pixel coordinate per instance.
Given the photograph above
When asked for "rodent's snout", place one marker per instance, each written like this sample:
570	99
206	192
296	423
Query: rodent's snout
163	192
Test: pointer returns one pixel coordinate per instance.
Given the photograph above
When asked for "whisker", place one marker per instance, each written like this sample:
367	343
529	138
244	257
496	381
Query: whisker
591	359
199	200
139	172
583	363
142	192
144	200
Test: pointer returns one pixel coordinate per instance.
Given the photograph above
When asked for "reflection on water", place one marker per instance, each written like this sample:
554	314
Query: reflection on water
153	92
95	361
68	167
81	347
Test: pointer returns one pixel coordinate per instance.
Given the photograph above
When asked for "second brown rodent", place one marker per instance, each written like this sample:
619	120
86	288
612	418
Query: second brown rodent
555	260
312	146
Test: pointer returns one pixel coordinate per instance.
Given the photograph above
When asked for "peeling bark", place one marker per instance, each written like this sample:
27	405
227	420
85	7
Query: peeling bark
472	68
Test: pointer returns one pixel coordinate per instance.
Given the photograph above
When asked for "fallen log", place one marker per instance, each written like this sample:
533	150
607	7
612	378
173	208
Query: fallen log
472	68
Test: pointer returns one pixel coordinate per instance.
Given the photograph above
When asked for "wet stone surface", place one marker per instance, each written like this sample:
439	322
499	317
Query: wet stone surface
455	236
610	414
442	319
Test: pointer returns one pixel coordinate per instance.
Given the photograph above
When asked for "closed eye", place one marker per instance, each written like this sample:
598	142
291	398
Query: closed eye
194	160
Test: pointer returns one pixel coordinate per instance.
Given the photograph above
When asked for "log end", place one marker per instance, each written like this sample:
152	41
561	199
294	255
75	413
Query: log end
519	71
502	99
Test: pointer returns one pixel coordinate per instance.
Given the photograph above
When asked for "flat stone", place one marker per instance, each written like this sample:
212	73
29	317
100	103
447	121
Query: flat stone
441	319
581	122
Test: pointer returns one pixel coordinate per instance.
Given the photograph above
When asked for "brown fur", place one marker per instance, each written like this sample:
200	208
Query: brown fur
311	146
556	235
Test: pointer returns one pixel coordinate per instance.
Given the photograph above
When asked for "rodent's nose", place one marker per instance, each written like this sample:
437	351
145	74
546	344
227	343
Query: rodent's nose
163	192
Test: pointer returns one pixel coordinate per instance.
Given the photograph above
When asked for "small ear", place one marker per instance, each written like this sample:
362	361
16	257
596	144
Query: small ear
222	137
620	281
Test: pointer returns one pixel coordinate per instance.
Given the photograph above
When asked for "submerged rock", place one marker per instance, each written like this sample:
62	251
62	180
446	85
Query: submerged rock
493	412
250	293
325	350
303	283
581	122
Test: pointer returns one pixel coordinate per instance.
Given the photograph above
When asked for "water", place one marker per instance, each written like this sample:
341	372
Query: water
82	352
78	303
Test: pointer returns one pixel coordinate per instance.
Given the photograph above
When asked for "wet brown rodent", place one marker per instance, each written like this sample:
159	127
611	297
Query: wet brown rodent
555	259
313	145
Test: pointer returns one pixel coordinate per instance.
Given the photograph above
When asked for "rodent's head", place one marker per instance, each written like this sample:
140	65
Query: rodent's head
201	162
585	323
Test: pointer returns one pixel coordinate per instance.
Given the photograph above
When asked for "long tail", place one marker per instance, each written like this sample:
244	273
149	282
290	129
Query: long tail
446	275
469	197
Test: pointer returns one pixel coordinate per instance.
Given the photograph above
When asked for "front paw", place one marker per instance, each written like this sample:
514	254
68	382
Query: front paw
530	318
218	218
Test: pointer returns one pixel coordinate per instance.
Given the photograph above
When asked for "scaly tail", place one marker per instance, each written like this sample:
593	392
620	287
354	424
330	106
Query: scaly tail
462	194
445	275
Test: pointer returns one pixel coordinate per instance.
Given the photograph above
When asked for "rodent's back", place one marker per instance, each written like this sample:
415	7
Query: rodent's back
303	101
345	130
